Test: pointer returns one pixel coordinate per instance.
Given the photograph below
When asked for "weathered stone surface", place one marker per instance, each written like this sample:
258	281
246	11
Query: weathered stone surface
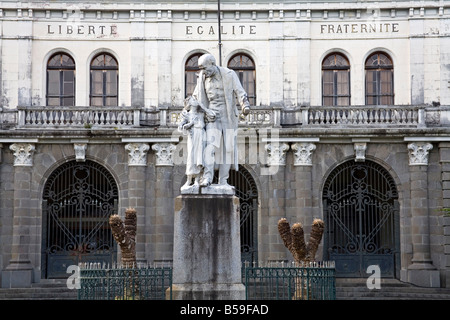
206	254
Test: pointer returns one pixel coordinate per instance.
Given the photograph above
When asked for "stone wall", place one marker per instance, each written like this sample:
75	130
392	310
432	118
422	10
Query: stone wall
293	191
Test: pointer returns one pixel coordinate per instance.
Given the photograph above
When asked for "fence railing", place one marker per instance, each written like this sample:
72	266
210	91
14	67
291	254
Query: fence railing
118	283
273	281
315	281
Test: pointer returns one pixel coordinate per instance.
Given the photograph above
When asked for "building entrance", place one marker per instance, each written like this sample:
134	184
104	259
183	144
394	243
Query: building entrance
78	199
361	214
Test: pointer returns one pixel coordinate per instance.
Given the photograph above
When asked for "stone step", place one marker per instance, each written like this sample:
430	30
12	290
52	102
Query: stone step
390	289
45	290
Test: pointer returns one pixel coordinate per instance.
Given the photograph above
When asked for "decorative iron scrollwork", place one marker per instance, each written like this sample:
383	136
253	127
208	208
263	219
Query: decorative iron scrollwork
360	202
79	197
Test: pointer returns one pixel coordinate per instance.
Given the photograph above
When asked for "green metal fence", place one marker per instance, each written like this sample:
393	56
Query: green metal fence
315	281
273	281
118	283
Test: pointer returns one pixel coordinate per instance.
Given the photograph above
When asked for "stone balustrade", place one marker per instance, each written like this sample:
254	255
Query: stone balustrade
67	117
261	116
364	115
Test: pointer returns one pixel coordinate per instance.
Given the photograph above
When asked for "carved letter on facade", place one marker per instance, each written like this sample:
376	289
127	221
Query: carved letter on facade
276	153
137	153
360	151
23	154
303	153
80	151
164	153
418	153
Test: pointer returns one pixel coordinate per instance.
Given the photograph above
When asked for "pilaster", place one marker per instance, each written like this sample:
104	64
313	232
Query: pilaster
137	163
444	158
421	272
164	195
19	272
303	152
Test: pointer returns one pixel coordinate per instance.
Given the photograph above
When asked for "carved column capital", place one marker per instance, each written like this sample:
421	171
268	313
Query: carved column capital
303	153
276	153
23	154
164	153
137	153
418	153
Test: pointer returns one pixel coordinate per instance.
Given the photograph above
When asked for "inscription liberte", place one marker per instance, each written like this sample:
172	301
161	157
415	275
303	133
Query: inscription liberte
359	28
82	29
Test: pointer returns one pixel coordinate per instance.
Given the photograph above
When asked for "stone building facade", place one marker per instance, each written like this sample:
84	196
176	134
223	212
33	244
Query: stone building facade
349	123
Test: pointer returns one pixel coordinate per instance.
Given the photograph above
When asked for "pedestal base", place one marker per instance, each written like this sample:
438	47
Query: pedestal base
423	277
18	274
208	291
207	253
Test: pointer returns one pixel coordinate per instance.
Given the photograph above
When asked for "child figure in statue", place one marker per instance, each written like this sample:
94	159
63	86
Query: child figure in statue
193	125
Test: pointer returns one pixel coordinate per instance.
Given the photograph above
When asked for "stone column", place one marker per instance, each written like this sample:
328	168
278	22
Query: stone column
303	180
19	272
137	163
446	242
421	272
444	157
163	214
276	162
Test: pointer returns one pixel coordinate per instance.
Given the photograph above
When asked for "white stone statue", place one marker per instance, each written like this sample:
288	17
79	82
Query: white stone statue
218	89
193	126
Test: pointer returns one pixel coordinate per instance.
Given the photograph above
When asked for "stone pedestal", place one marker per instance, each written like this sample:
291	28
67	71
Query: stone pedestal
18	274
206	254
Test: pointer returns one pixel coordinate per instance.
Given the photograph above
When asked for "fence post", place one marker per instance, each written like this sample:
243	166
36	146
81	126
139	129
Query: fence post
163	115
421	118
137	117
21	117
305	112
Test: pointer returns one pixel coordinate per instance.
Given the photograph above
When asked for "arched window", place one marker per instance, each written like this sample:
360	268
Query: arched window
335	80
60	80
104	81
244	66
379	79
190	74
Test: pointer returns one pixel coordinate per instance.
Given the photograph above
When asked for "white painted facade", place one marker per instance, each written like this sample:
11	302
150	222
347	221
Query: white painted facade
287	42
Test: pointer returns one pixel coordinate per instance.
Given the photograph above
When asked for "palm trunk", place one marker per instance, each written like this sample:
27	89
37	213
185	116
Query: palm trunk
125	235
298	242
315	238
293	238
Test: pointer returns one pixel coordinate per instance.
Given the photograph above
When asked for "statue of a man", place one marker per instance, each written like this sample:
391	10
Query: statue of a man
218	89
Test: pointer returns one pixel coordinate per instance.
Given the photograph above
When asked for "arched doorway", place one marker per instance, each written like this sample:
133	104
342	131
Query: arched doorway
361	212
78	199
